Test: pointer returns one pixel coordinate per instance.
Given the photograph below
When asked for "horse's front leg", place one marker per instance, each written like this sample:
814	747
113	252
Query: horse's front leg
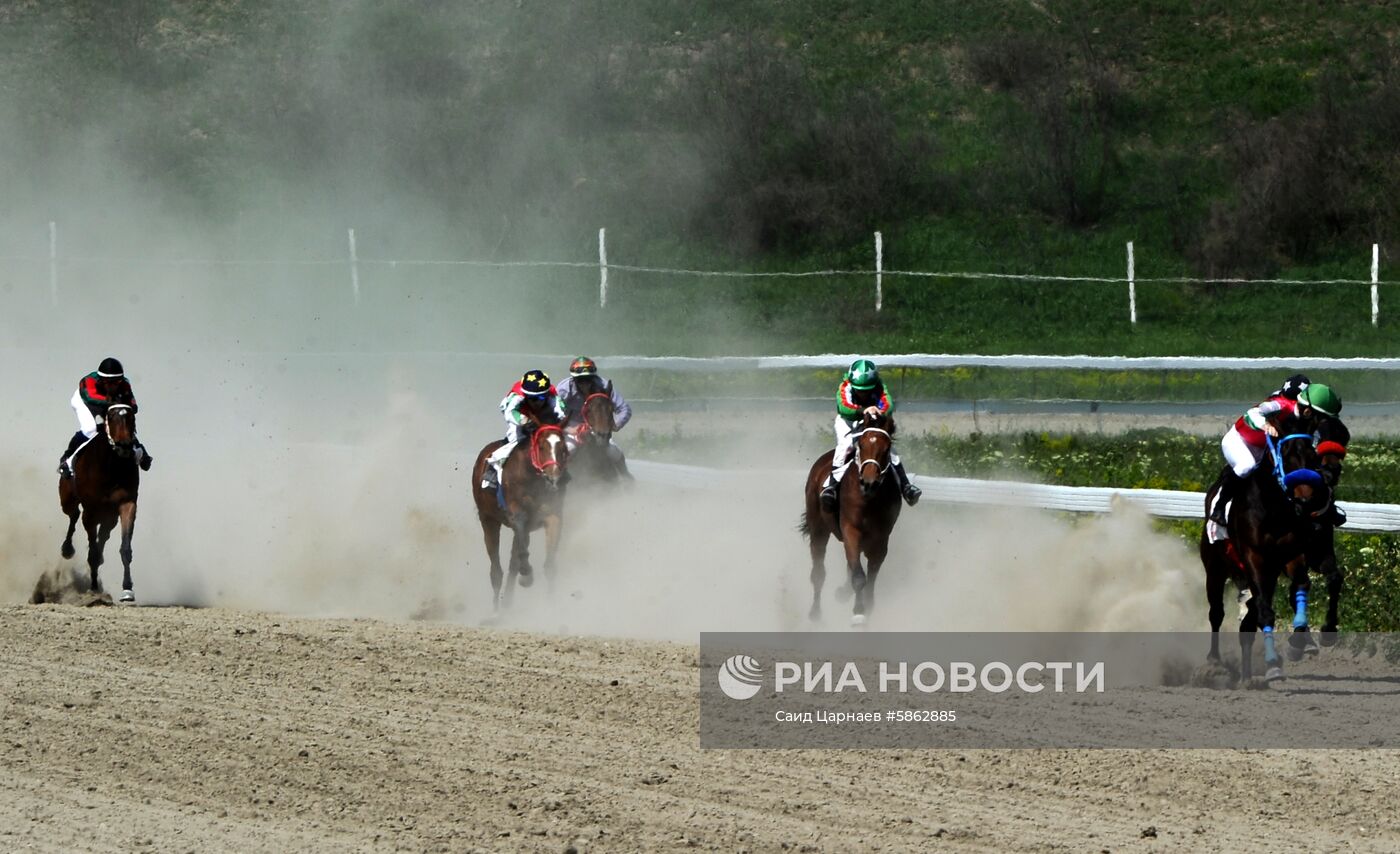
1215	596
97	538
856	574
68	500
1332	571
875	551
491	531
127	514
520	551
816	544
1268	584
553	526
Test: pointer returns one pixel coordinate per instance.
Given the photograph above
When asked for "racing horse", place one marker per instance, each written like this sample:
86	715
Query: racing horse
1333	438
868	505
531	496
593	455
1269	534
103	492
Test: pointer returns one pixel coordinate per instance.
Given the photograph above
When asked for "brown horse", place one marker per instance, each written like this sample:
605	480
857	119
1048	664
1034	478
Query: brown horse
1270	532
103	490
531	497
868	505
594	454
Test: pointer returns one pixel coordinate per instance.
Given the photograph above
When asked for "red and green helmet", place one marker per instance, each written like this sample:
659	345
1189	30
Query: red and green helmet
863	375
582	367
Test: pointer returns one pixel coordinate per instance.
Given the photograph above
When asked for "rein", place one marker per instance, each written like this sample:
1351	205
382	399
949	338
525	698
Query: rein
544	430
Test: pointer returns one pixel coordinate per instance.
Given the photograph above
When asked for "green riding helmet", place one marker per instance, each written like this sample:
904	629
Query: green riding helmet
1322	399
863	375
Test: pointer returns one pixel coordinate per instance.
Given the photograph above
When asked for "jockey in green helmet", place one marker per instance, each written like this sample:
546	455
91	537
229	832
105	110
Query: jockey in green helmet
861	391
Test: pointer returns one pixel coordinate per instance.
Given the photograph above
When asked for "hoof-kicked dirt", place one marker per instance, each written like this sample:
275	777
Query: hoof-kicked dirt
176	729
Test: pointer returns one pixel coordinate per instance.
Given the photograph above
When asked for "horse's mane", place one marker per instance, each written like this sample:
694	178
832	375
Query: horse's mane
883	421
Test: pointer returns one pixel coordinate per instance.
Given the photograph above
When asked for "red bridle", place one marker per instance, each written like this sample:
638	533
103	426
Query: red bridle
546	430
585	427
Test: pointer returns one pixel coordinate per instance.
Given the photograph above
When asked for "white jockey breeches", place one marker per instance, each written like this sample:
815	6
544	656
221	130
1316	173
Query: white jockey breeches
87	422
1242	456
845	430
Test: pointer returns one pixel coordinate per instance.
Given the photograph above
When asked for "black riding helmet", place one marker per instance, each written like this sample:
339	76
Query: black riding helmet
110	368
1292	387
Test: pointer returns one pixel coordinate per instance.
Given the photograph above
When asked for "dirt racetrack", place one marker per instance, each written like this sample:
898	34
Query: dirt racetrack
179	729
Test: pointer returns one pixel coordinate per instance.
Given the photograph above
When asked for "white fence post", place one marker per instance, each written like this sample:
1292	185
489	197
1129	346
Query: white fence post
1132	287
879	271
354	267
53	262
1375	284
602	268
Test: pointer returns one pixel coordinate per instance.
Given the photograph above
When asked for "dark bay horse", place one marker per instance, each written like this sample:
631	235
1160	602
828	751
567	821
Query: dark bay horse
1270	531
1320	551
531	497
103	491
868	505
593	455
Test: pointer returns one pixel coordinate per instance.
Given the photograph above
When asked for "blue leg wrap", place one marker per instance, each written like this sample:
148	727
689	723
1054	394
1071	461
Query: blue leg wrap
1300	609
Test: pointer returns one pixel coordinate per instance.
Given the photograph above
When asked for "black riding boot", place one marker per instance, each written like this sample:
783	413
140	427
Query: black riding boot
1224	497
73	445
906	486
828	496
145	462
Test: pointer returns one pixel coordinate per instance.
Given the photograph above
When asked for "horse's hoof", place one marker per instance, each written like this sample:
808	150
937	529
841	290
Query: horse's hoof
1295	653
1274	674
1329	636
857	620
815	614
127	596
526	579
67	551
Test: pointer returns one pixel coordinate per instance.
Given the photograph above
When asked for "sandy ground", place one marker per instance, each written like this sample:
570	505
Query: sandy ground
178	729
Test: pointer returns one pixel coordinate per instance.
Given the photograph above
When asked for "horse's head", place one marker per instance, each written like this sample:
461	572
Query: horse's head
1296	464
549	453
874	450
598	423
120	424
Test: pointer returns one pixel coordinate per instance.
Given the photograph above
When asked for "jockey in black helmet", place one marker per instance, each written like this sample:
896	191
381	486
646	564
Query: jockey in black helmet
98	390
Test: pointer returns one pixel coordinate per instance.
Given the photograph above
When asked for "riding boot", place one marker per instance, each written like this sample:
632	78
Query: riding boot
143	457
490	478
828	496
73	445
1224	497
906	486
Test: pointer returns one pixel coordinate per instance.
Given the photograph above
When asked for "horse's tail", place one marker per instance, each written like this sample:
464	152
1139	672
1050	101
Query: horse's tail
805	526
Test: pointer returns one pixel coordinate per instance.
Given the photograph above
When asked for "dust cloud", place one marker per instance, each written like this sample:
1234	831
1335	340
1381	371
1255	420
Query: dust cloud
313	426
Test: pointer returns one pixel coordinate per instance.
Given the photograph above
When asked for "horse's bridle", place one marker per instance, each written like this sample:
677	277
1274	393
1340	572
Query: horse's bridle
118	446
541	432
861	462
1276	451
585	429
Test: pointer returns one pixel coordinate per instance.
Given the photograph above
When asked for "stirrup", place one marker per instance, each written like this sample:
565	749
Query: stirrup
828	497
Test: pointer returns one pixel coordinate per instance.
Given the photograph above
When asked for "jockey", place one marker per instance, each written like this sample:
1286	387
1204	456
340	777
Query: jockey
1292	387
98	390
584	382
861	391
531	402
1247	440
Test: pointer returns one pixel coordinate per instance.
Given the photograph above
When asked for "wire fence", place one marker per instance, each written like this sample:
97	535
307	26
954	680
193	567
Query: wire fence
352	263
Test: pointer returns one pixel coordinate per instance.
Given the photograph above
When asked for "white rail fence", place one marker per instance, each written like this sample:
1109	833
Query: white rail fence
353	262
1163	503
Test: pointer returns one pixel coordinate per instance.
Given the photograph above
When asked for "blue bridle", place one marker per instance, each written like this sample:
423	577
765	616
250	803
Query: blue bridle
1299	476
